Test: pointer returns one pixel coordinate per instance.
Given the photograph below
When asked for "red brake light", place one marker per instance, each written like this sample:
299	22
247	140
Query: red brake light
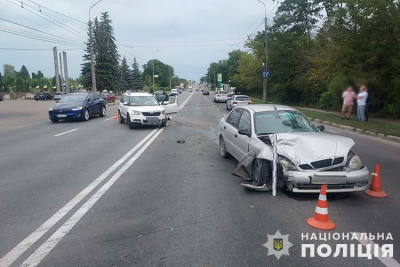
218	95
235	102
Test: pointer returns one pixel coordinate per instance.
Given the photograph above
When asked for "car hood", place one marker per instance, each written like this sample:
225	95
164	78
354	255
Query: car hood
303	148
146	108
68	105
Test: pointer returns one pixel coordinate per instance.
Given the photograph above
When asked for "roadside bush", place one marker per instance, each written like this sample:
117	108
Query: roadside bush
326	101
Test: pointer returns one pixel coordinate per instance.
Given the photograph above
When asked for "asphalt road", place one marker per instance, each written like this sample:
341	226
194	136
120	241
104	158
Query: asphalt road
103	195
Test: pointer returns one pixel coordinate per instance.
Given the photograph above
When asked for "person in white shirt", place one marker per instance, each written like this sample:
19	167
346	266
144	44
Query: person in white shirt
361	103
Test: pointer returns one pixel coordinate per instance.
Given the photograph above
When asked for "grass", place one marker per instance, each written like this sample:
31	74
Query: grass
372	126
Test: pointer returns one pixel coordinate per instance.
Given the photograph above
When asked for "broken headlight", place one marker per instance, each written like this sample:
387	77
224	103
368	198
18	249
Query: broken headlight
354	163
287	165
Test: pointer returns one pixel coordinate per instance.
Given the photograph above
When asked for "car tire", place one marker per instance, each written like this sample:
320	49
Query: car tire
130	124
222	148
54	120
103	112
227	106
86	115
36	99
164	124
120	119
262	172
214	100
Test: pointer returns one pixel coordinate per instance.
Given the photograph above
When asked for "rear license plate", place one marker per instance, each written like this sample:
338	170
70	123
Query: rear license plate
61	116
152	120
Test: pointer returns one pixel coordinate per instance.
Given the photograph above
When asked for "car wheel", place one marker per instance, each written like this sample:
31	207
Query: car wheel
54	120
103	112
36	99
227	106
214	100
120	119
223	150
261	173
130	123
86	115
164	124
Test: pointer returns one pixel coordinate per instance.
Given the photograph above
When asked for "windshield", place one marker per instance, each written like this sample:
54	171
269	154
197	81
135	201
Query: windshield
142	101
223	92
73	98
271	122
174	90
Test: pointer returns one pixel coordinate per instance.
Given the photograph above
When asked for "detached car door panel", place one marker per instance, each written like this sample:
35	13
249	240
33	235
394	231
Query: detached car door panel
232	132
244	140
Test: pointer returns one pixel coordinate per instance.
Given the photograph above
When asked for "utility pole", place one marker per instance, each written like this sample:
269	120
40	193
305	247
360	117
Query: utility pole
265	54
56	68
153	66
61	74
66	72
215	81
170	79
92	69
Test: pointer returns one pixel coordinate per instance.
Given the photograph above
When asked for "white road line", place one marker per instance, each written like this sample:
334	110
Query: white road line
387	261
184	102
217	108
19	249
109	119
224	115
66	132
47	246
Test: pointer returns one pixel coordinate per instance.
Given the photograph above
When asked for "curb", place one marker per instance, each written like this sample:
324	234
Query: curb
358	130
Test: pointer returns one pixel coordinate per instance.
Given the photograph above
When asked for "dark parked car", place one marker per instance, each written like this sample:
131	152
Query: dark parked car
205	92
1	97
78	106
43	96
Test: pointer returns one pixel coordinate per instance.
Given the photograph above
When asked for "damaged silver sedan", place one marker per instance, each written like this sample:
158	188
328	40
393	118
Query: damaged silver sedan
307	157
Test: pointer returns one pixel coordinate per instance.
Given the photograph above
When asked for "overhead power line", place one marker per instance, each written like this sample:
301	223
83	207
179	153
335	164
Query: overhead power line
40	39
73	31
59	13
37	49
68	39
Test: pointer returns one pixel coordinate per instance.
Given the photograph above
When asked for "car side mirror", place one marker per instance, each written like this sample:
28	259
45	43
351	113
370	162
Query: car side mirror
321	128
165	103
125	103
243	131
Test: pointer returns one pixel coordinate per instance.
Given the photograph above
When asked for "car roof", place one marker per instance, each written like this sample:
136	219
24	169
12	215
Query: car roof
268	107
138	94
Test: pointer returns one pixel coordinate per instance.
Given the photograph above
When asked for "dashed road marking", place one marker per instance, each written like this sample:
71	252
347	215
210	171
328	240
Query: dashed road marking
109	119
66	132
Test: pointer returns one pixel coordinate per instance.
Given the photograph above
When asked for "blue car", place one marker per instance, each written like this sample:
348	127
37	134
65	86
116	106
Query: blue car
78	106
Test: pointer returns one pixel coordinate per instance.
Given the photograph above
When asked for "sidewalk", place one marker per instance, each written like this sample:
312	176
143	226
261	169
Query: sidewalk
353	115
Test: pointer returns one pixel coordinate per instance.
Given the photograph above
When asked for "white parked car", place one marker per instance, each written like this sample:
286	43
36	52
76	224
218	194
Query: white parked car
237	100
143	109
174	92
307	157
221	96
58	96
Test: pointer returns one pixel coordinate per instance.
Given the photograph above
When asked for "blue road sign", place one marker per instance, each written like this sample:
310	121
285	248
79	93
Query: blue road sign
265	73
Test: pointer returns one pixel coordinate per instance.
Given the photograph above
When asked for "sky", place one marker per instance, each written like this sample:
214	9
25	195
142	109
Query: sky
188	34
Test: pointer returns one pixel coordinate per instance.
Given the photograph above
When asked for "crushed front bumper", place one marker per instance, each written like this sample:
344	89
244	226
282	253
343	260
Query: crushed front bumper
336	181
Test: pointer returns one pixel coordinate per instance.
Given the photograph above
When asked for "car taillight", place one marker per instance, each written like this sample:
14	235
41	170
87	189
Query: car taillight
235	102
218	95
250	103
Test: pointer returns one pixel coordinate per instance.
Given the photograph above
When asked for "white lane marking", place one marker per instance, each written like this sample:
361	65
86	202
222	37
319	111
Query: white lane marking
19	249
224	115
47	246
214	106
109	119
217	108
387	261
66	132
184	102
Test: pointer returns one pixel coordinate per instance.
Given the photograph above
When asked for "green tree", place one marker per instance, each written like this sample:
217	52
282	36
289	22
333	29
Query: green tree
137	77
125	82
24	73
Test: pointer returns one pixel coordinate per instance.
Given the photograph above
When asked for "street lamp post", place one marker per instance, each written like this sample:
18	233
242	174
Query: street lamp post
265	54
153	66
93	72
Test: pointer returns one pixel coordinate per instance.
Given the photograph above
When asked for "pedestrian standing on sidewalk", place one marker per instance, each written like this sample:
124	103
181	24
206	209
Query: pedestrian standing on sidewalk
348	100
361	102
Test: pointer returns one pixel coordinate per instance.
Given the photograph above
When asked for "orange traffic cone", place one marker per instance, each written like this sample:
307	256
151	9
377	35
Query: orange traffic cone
375	190
115	116
321	220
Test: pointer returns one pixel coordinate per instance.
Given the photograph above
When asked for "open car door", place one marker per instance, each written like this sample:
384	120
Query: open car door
172	106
